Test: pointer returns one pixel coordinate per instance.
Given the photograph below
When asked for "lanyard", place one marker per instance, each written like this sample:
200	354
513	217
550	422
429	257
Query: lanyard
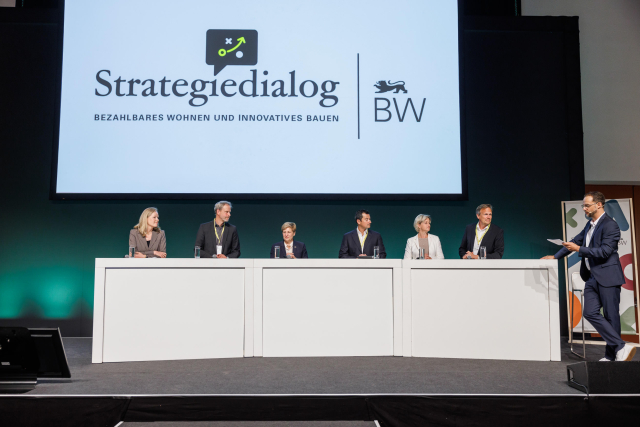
479	238
219	241
362	241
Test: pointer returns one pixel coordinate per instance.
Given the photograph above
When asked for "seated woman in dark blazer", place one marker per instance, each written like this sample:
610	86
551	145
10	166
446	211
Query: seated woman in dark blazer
146	236
288	247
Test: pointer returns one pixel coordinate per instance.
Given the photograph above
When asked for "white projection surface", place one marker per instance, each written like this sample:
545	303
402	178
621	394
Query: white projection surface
260	97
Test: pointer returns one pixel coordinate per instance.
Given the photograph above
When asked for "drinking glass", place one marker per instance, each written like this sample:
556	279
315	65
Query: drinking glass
132	251
376	252
197	252
277	252
421	253
482	252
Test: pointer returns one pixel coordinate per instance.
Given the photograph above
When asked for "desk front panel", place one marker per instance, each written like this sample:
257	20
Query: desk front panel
327	312
173	313
480	313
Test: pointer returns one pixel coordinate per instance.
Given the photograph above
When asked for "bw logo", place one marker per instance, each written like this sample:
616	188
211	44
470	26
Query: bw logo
382	110
384	87
231	47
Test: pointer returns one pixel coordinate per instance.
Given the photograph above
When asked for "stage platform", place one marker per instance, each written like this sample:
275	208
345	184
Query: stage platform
332	391
312	375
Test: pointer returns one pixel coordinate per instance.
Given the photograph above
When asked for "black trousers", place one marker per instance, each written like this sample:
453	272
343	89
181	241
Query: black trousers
607	324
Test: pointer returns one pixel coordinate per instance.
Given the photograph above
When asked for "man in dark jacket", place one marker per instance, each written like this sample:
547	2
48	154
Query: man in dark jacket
600	268
218	238
362	240
484	233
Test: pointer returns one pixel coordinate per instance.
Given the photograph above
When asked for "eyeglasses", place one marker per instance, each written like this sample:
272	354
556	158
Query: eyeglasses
588	206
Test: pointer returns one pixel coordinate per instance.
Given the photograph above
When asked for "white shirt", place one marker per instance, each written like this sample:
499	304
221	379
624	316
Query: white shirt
288	248
362	237
589	235
480	233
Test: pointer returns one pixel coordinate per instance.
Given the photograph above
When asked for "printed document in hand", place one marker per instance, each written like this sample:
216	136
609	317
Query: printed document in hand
556	241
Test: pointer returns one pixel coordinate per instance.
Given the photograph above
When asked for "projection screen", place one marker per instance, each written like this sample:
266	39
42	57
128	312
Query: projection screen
260	99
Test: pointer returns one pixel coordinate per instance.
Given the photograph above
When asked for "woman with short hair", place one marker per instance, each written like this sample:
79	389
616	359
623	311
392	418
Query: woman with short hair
288	247
146	236
423	240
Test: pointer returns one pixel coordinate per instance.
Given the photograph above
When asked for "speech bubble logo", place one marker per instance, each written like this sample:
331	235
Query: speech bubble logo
231	47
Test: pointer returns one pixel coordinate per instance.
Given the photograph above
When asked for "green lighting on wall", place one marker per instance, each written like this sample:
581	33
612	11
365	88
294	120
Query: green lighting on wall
51	293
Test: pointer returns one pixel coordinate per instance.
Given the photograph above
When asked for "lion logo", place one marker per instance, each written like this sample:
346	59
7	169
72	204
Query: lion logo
386	87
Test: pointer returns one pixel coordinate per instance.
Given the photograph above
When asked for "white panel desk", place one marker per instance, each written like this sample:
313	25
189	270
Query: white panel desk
481	309
168	309
164	309
327	307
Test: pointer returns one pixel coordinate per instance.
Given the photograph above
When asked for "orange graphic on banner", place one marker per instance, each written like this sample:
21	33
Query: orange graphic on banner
577	311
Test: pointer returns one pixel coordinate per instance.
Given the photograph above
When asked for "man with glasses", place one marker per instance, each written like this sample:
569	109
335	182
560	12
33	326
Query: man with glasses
600	268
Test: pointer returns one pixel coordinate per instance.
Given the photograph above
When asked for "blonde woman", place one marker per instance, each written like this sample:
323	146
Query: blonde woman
424	240
146	236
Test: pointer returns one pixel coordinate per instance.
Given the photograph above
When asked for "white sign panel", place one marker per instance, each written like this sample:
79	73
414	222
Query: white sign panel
260	97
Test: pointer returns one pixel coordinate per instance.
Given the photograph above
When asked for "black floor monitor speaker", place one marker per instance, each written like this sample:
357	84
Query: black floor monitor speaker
605	377
53	359
19	361
29	354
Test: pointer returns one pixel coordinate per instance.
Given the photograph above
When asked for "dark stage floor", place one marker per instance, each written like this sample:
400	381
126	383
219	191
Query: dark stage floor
252	424
328	375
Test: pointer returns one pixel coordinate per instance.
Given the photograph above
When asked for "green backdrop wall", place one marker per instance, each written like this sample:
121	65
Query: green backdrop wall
522	143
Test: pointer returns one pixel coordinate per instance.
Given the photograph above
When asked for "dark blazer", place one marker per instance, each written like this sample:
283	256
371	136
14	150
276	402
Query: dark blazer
158	242
602	253
206	239
350	247
299	250
493	240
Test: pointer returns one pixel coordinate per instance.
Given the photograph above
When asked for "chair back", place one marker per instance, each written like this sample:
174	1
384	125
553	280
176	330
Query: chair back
577	284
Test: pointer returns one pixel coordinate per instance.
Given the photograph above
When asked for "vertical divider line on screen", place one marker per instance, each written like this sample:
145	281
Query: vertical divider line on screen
358	85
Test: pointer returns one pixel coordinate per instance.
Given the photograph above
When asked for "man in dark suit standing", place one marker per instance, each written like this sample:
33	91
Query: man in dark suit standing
362	240
600	268
484	233
219	233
